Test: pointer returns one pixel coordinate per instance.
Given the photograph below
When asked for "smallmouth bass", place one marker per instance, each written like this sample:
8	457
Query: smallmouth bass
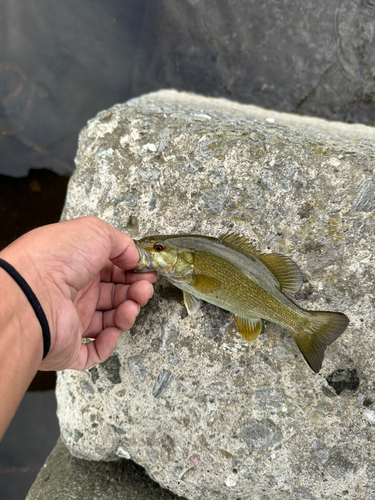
231	273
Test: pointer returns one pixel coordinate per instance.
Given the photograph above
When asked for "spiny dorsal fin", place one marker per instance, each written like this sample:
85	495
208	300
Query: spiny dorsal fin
285	270
249	328
240	242
192	303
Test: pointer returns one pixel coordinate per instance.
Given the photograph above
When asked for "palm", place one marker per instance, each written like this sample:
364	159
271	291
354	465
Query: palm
92	297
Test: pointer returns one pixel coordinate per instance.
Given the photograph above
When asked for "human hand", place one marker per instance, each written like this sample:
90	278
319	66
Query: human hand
78	269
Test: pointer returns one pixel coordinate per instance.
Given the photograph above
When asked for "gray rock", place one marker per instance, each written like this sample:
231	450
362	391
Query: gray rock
208	415
162	383
137	368
260	435
111	368
365	200
315	57
64	477
338	465
303	494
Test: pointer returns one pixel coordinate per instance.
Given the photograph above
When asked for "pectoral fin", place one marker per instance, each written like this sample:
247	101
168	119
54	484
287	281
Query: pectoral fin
249	328
204	283
192	303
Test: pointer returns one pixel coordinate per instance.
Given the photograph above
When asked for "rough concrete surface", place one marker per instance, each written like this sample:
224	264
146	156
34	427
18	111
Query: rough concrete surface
208	415
64	477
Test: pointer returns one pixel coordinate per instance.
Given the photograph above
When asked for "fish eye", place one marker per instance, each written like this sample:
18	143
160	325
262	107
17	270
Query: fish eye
158	247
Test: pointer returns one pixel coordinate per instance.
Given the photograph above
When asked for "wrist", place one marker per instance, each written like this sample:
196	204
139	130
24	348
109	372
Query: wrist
24	270
18	316
21	346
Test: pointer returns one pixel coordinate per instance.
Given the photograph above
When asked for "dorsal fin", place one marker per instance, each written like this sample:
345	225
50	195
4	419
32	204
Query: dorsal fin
285	270
240	242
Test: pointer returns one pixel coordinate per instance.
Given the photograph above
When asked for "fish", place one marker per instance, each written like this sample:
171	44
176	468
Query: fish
231	273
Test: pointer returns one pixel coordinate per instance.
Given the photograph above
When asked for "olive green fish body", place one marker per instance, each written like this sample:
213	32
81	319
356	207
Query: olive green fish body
231	273
248	288
242	296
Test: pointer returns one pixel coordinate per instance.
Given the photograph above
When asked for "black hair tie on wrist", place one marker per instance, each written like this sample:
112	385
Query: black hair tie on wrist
35	304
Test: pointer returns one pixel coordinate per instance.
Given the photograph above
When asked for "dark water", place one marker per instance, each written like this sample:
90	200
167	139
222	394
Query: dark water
27	443
29	202
60	63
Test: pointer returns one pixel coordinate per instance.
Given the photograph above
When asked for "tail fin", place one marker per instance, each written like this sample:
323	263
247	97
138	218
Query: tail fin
322	329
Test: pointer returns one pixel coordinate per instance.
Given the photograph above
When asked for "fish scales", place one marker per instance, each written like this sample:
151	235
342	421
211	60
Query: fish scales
240	291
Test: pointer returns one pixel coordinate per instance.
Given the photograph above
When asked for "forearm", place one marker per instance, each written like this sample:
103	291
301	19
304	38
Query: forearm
21	347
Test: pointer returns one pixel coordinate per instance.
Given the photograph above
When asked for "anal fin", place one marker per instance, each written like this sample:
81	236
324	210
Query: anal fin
249	328
192	303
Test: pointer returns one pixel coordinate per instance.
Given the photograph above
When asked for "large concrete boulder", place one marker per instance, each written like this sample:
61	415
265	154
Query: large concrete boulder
208	415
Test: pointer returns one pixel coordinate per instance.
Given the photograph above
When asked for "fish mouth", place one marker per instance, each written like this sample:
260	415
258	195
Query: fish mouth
144	262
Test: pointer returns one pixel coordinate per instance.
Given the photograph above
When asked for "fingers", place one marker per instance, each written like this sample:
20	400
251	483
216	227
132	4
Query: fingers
109	326
111	295
112	273
123	252
123	318
151	277
86	244
97	351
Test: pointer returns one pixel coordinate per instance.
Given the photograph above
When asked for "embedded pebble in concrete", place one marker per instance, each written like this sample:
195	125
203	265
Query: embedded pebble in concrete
169	335
162	383
216	322
342	380
137	368
365	199
111	368
179	387
260	435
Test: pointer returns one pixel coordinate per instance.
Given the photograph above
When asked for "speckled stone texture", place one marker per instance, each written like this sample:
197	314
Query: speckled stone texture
208	415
